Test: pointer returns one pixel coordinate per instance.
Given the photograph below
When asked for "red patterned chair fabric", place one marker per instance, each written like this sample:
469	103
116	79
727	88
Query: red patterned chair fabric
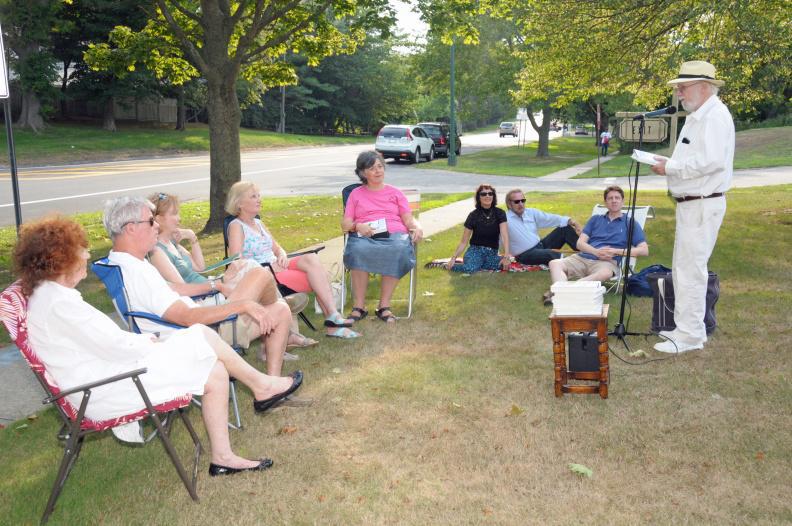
13	310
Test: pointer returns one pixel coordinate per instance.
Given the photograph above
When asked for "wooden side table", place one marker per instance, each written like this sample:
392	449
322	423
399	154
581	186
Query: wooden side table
561	325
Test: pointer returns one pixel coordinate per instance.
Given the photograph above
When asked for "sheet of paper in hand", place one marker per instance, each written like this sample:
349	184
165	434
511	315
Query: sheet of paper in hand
378	226
645	157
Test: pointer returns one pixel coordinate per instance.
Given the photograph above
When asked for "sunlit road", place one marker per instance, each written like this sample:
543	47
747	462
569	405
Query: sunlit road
292	171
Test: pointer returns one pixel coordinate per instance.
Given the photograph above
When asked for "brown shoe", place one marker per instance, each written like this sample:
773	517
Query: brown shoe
547	299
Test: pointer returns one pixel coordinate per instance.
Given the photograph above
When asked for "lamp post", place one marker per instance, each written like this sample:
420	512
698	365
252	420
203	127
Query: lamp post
452	114
4	95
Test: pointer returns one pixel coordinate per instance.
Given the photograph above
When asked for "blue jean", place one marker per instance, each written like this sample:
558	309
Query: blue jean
478	258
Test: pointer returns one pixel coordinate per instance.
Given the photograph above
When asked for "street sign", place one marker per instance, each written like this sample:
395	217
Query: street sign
3	70
655	130
522	115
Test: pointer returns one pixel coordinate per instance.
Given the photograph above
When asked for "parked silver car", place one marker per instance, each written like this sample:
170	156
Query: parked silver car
507	128
402	141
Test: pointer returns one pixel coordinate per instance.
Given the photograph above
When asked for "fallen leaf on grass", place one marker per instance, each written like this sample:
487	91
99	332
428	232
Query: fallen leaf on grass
336	370
760	455
428	293
639	353
515	410
287	430
580	469
23	426
486	511
322	498
32	417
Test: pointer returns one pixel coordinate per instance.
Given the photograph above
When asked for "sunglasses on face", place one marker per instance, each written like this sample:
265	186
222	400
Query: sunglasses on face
486	194
150	221
518	201
162	197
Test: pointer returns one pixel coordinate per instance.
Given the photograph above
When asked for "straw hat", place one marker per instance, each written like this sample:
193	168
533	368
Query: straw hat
696	70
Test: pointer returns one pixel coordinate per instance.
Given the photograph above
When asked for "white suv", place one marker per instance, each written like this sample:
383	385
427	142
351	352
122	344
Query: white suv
400	141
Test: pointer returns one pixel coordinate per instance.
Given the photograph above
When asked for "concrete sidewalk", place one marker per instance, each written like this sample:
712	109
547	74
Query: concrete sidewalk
20	394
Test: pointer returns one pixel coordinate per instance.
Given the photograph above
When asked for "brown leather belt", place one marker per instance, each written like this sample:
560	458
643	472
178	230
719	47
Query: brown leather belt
695	197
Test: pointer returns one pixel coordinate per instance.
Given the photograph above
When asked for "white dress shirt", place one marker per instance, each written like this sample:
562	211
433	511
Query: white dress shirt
524	230
702	160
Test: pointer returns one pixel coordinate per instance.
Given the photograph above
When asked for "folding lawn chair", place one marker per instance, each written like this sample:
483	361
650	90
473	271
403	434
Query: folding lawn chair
113	280
414	199
283	289
642	213
13	310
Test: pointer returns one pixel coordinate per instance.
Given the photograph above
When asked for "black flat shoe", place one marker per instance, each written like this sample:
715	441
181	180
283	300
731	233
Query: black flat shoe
216	469
262	405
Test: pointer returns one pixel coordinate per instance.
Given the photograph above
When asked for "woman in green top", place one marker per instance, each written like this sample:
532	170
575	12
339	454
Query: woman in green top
178	265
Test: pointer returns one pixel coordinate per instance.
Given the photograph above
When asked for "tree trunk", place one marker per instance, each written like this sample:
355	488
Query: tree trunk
108	117
181	112
543	148
30	115
225	164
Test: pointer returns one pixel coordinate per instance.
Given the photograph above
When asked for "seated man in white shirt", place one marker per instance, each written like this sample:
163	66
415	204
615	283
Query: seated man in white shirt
130	223
524	224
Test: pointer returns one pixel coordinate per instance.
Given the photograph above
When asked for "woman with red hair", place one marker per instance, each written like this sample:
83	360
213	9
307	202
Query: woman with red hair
78	344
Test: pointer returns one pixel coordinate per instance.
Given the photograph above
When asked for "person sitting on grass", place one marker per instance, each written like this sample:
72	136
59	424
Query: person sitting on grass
248	237
131	225
602	245
79	344
180	268
524	224
485	229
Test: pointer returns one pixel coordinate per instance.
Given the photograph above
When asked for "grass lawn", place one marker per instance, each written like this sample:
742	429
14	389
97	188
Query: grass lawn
450	418
521	161
67	143
757	148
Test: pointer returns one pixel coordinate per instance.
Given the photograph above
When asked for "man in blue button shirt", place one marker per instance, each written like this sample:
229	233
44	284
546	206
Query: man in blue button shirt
524	224
602	244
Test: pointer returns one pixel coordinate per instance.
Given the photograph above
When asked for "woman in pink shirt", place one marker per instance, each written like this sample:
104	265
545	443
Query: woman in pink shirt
382	231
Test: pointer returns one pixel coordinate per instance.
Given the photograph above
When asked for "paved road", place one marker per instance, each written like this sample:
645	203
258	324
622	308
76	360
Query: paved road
292	171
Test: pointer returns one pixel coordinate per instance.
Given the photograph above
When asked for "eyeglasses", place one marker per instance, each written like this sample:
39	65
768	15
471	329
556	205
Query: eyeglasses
150	221
486	194
518	201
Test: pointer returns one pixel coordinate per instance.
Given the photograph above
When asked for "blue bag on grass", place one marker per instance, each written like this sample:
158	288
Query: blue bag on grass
638	284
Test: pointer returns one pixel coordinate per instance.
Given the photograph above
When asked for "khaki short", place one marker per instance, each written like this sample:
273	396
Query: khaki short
579	267
247	330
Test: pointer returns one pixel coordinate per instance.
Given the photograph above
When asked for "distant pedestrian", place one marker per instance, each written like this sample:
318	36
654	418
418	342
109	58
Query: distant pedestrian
605	138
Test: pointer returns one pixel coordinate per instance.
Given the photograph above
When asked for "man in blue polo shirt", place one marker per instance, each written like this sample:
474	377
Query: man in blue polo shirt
602	244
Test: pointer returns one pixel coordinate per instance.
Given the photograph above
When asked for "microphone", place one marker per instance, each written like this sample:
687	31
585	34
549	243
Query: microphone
670	110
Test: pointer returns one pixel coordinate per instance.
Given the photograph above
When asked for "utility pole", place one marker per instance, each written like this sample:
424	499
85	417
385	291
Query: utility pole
452	160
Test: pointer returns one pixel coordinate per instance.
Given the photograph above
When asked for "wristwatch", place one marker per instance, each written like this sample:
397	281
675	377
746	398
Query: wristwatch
212	285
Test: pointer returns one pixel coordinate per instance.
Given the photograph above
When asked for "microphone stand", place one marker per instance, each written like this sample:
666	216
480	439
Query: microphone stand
619	330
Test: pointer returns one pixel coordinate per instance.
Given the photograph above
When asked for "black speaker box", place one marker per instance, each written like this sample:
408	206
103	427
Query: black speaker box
583	352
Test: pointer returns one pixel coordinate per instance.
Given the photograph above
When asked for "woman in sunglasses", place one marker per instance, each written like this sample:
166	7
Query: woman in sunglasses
485	229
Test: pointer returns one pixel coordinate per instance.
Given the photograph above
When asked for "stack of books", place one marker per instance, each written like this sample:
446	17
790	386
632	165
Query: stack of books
577	298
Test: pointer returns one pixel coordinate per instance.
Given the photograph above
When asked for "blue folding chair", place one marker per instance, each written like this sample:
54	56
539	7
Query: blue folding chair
113	280
283	289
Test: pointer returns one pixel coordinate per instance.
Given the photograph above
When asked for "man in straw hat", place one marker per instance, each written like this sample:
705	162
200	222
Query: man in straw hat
699	174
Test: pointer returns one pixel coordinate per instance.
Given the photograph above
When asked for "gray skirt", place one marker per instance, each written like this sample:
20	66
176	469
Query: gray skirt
392	256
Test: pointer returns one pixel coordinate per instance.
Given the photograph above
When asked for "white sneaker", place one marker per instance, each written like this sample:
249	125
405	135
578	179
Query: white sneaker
672	347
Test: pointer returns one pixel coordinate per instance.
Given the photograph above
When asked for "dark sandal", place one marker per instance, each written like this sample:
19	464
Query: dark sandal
387	318
337	321
362	313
